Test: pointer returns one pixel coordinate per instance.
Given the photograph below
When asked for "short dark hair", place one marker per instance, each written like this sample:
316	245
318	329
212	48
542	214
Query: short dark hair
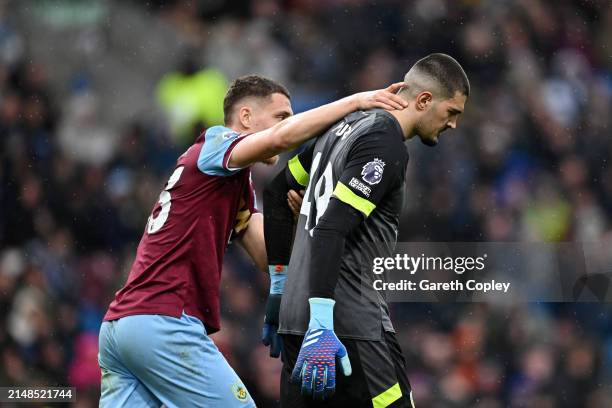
249	85
446	71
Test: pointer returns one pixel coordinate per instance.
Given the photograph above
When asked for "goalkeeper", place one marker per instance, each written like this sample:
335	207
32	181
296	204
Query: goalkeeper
331	318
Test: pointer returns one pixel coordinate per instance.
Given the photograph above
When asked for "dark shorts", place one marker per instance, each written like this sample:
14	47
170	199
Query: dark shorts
378	379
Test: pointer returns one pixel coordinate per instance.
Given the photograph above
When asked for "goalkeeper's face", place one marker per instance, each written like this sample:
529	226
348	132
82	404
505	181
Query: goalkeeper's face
440	115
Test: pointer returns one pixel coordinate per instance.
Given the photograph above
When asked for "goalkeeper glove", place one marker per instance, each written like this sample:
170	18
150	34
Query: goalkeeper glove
270	336
315	367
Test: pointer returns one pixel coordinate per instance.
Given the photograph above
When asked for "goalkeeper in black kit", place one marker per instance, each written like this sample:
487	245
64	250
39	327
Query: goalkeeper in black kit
323	309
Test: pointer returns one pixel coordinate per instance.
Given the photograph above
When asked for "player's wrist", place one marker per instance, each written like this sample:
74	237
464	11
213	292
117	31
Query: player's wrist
354	102
278	277
272	309
321	313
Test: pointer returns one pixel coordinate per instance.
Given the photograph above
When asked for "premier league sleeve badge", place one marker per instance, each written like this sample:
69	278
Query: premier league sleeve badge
372	172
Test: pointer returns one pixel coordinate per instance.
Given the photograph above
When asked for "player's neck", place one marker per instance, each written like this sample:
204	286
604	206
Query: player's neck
405	121
237	127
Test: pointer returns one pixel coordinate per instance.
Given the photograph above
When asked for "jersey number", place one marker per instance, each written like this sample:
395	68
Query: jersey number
323	190
165	201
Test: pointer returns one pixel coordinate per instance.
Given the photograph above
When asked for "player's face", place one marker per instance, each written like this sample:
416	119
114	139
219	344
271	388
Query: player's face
266	113
441	115
270	111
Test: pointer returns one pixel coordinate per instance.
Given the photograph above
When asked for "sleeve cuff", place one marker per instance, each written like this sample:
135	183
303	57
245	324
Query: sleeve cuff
321	313
278	276
228	154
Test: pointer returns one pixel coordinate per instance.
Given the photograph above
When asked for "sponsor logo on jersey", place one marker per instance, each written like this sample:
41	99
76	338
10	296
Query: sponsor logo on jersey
240	391
358	185
372	172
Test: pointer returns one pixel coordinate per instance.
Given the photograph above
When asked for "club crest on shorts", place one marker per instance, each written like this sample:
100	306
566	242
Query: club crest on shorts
372	172
240	391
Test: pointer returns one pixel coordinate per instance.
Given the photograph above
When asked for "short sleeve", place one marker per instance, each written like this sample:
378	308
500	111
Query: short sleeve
376	164
219	142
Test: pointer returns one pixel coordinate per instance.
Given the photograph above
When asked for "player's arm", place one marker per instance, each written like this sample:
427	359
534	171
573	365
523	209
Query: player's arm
278	217
297	129
252	240
374	167
279	223
349	206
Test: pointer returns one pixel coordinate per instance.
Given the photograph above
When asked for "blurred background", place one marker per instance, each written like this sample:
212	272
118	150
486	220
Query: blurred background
98	98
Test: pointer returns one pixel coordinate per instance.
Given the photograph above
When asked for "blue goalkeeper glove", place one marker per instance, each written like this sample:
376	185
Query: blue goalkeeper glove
315	367
269	335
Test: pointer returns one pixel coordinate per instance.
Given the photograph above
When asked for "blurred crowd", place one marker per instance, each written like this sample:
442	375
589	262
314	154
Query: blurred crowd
529	162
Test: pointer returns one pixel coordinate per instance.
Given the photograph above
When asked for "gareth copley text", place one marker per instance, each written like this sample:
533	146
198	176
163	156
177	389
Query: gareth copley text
428	286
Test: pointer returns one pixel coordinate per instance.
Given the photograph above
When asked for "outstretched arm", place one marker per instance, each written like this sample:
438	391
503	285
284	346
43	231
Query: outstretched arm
297	129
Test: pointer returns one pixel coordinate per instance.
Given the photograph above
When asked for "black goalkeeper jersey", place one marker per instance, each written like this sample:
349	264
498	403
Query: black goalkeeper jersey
360	161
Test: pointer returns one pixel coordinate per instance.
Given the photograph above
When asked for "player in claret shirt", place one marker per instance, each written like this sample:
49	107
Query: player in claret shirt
154	342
